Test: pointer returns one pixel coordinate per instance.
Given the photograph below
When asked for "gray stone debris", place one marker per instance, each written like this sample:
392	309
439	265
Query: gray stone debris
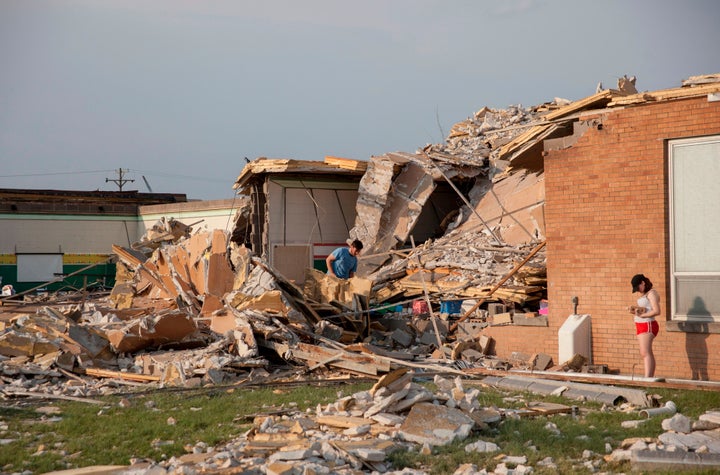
685	445
482	446
678	423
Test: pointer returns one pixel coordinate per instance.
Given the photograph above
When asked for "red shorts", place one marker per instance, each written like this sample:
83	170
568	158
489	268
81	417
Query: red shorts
647	327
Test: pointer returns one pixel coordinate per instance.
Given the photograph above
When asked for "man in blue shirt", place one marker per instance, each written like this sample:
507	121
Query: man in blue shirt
342	262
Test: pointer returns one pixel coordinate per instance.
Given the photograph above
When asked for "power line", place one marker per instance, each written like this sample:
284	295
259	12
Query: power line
88	172
186	177
55	173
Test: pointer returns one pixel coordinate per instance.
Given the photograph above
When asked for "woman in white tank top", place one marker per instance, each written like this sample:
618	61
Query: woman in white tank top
646	327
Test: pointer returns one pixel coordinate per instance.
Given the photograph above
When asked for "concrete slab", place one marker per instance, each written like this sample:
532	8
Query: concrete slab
435	425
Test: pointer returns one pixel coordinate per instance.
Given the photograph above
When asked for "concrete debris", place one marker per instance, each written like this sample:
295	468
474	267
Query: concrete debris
435	425
482	446
610	395
686	445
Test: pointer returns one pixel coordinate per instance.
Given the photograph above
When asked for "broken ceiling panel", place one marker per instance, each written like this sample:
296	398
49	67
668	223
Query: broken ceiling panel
389	205
151	332
410	191
513	207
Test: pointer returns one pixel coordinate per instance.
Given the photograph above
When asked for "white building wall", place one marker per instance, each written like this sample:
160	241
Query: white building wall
65	234
203	215
77	234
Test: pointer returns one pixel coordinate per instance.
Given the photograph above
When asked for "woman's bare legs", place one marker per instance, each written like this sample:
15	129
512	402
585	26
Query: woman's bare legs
646	353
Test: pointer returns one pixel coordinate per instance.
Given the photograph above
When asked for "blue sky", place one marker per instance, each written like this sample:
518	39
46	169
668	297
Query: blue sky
180	91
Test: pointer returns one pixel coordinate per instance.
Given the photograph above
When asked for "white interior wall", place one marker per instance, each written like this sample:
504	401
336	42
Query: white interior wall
309	215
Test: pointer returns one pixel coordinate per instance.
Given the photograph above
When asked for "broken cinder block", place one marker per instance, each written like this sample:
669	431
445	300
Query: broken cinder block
502	319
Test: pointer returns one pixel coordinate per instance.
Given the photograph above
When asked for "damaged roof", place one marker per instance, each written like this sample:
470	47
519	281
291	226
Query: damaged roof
332	166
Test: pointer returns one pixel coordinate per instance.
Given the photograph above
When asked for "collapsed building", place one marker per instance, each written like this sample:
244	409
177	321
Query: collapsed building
477	253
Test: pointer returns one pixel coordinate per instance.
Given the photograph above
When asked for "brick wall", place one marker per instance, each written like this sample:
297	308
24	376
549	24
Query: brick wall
529	340
607	219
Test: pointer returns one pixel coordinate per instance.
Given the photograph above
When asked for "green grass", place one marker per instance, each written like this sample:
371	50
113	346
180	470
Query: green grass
158	425
88	434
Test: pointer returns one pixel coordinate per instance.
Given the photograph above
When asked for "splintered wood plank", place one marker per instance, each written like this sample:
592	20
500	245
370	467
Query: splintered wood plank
548	408
388	291
522	139
599	99
362	364
129	256
391	377
220	276
367	348
703	79
346	163
666	94
103	373
219	241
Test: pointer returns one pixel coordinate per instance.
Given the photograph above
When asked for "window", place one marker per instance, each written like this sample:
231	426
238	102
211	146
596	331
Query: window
694	171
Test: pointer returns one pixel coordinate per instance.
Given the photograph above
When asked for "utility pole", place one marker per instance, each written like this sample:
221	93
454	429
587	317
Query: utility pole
119	181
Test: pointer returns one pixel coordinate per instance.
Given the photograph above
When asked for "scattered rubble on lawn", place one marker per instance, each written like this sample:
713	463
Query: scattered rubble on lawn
357	433
354	434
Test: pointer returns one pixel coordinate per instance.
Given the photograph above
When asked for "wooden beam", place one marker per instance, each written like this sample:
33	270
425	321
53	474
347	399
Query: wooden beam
427	300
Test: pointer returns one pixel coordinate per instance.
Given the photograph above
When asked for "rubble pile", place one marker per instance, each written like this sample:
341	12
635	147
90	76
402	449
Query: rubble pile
479	139
198	307
190	312
462	266
192	308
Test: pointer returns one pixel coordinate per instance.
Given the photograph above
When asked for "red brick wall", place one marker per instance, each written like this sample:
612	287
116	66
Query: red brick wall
529	340
606	220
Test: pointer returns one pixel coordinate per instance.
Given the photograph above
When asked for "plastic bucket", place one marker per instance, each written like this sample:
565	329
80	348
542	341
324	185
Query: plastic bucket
450	306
